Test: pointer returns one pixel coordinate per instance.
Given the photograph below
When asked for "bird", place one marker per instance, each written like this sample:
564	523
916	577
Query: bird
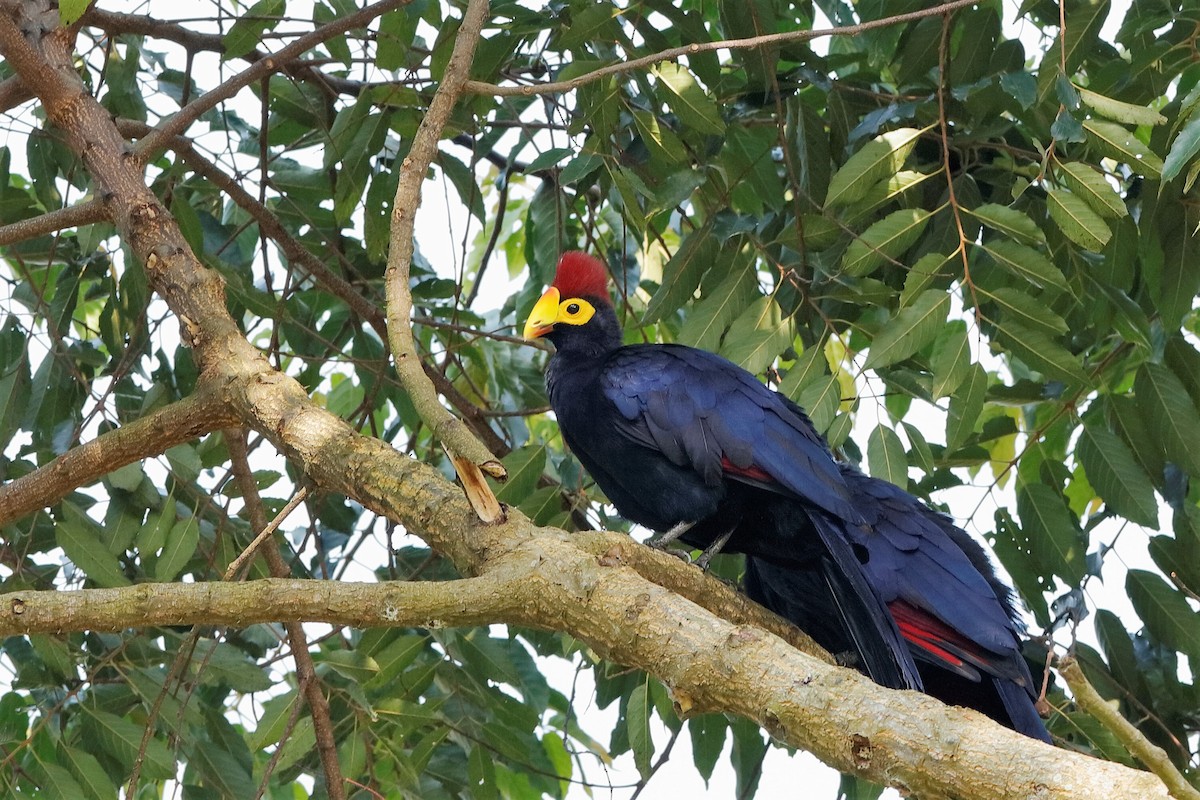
688	444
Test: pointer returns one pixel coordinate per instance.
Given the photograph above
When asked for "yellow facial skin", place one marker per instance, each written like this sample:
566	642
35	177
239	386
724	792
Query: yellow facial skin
551	310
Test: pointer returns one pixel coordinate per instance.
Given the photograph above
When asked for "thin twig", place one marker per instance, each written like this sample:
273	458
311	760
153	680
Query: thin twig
670	54
306	671
182	120
86	213
265	533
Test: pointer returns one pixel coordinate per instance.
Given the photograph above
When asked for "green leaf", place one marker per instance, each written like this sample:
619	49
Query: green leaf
56	782
708	733
80	538
1020	307
71	10
1040	352
1077	220
1118	143
525	466
885	240
1055	539
911	329
357	666
248	30
694	107
88	772
122	739
757	336
1170	413
637	721
681	275
965	407
1094	188
886	456
821	399
951	358
222	771
1115	474
1025	262
1168	616
1014	224
551	158
810	365
178	549
1183	149
1128	113
709	319
879	159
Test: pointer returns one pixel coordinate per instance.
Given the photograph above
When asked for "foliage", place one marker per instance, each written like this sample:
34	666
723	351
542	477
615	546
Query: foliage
970	256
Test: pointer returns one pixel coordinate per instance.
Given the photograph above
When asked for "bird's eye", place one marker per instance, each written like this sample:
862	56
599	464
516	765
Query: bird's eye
573	308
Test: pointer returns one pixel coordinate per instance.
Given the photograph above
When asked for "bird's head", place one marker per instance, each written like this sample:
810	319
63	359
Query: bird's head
576	307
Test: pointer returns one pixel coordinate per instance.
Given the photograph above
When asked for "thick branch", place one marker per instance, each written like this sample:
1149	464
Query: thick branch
467	452
1144	750
175	424
905	739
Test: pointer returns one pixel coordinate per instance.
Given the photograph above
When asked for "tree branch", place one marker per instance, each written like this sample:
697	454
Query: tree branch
672	53
1144	750
306	672
904	739
85	213
468	453
181	120
151	435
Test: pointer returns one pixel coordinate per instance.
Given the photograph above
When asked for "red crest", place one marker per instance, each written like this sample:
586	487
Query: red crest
581	275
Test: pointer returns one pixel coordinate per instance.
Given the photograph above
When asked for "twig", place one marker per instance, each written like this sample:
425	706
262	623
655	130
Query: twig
151	435
180	121
670	54
1150	754
85	213
470	456
306	671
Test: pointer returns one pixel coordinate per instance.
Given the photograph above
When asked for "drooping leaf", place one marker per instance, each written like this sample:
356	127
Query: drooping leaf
695	108
1170	413
1027	263
1077	220
965	407
884	241
1128	113
1055	539
1096	191
1165	611
1112	470
879	158
1009	221
913	327
1118	143
886	457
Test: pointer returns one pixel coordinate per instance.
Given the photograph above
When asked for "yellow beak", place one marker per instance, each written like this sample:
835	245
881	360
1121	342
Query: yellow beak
543	316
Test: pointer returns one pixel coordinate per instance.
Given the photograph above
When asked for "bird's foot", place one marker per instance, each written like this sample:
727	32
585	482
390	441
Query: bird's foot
661	541
712	550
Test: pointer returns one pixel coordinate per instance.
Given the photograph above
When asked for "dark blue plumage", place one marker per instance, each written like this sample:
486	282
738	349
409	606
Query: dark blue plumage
683	440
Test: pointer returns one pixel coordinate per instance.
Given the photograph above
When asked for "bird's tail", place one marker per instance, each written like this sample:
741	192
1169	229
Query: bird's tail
832	602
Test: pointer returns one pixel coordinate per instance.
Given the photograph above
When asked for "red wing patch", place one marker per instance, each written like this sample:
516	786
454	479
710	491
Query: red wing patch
752	472
934	636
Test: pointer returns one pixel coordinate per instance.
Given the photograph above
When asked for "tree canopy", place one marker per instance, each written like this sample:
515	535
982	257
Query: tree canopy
960	236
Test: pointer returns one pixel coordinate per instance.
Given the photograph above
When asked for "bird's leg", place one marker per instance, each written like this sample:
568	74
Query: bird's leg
713	549
661	541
